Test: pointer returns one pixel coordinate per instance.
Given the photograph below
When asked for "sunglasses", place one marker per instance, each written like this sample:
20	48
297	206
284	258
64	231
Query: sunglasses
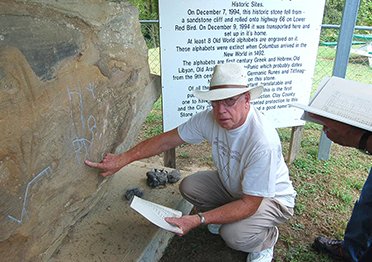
228	102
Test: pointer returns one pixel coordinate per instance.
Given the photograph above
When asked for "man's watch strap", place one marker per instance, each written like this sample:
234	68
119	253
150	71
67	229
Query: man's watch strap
202	218
363	141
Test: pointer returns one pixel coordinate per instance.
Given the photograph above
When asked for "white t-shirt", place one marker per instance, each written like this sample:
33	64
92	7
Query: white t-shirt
249	159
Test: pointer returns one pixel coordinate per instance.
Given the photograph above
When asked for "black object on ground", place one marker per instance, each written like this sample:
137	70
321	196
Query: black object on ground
174	176
159	177
133	192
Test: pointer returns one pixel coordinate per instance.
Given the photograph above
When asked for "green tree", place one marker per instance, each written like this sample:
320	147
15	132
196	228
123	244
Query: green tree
334	8
333	15
333	12
148	9
365	13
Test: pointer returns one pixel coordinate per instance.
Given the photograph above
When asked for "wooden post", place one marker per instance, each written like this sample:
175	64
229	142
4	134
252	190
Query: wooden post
295	143
170	158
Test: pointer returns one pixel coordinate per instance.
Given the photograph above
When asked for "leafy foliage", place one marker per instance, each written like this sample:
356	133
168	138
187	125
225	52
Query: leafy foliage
333	15
148	9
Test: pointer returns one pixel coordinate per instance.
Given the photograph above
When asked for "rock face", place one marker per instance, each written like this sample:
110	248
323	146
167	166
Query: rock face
74	83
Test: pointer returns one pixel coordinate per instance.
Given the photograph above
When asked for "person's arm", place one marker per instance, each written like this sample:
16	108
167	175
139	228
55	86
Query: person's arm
345	134
112	163
228	213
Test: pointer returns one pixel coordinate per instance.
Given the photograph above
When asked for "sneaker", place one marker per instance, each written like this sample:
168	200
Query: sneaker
265	255
214	228
332	247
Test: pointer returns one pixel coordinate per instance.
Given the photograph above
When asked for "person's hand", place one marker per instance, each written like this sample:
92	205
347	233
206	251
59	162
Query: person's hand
109	165
185	223
340	133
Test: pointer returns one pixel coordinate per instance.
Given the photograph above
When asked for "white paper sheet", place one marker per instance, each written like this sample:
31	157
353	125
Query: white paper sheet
156	213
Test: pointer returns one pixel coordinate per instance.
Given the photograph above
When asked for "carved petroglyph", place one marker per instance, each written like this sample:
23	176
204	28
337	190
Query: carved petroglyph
85	127
44	172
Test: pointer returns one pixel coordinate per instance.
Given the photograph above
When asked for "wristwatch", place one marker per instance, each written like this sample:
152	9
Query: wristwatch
363	142
202	218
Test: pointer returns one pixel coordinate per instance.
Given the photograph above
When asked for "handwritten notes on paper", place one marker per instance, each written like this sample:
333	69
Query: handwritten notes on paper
156	213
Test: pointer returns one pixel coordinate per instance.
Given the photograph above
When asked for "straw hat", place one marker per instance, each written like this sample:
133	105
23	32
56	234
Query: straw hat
228	80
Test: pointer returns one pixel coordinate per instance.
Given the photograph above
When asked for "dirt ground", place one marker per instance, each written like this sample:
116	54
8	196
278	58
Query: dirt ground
200	245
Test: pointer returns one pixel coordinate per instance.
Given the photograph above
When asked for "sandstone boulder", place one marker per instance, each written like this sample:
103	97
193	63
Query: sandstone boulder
74	83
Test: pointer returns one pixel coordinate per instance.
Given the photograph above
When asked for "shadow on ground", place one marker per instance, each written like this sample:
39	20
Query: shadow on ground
200	246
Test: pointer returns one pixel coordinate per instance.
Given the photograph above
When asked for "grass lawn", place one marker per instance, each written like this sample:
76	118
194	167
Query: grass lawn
358	68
